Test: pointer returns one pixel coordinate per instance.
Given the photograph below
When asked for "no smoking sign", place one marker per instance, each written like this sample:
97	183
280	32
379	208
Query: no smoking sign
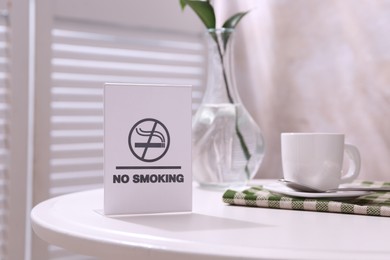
147	148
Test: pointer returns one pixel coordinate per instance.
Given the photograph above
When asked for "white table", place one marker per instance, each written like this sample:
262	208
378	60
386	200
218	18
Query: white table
213	231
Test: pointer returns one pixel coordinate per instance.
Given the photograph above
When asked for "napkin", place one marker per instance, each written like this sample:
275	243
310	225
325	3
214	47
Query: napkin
373	204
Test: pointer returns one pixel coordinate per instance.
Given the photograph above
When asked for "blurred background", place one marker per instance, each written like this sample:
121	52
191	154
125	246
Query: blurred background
303	65
318	66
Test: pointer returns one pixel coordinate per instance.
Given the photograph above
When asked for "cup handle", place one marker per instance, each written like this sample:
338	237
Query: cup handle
354	167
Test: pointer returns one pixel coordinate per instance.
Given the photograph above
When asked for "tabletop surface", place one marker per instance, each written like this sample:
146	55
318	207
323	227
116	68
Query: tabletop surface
213	230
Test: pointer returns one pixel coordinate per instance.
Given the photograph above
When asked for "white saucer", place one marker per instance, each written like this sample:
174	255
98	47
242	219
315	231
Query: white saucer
283	189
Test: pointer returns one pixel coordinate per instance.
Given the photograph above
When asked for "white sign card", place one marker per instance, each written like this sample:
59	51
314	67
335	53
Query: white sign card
147	148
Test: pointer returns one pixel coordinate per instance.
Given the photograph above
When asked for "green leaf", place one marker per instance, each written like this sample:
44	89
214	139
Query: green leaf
231	23
183	4
203	9
233	20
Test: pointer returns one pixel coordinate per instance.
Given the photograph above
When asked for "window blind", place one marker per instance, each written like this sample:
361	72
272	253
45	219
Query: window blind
4	120
4	136
85	56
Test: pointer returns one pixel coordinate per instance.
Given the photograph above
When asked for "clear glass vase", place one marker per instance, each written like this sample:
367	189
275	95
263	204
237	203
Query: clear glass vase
228	146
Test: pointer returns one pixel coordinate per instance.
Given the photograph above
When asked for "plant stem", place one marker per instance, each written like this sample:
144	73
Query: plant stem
230	98
224	72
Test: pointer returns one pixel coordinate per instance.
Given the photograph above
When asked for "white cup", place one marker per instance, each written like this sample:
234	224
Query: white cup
316	159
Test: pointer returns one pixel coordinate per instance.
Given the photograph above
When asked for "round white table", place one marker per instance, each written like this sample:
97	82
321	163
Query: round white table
213	230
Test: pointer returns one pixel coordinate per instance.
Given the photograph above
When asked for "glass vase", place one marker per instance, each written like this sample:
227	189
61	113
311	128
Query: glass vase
228	146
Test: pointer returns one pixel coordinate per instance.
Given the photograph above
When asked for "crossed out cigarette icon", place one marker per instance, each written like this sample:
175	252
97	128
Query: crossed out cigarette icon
143	142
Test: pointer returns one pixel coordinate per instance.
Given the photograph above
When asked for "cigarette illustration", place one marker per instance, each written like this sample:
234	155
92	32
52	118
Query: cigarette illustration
150	135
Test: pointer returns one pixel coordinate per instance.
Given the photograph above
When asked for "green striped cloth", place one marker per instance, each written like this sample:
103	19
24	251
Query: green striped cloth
373	204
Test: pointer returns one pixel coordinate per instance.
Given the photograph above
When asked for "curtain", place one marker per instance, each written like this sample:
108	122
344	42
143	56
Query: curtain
317	66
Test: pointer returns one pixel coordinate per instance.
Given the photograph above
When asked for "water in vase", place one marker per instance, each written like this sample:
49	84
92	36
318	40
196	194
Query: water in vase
228	146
